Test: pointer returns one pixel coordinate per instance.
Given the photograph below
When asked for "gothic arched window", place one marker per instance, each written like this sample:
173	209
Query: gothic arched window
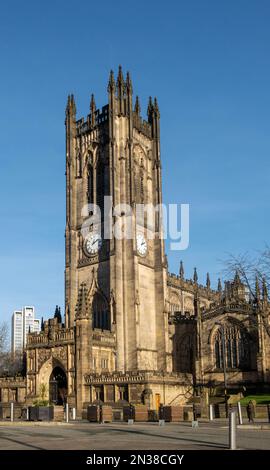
79	166
101	313
185	354
142	188
90	185
236	354
139	186
175	304
217	354
100	186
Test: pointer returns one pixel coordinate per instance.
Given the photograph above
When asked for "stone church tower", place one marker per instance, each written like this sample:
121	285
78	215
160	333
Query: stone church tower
114	344
115	153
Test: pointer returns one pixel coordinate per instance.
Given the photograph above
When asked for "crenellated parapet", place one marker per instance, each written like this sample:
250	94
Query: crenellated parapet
104	338
98	118
179	317
62	337
120	104
67	336
228	307
130	377
141	125
191	286
53	333
12	389
17	381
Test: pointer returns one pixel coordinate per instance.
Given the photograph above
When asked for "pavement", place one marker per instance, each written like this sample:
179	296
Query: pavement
138	436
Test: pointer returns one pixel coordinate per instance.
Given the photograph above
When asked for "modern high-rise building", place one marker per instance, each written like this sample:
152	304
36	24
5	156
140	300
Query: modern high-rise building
23	322
17	331
36	325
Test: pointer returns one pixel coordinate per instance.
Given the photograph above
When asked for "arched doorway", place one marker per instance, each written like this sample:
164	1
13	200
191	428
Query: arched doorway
58	386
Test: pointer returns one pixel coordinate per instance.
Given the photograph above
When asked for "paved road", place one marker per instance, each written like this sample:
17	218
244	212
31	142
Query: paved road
86	436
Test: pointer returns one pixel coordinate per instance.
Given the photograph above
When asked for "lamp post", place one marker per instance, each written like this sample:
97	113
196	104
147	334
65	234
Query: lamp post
224	366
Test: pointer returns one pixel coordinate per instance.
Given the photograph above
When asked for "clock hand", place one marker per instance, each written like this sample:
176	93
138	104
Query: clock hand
96	241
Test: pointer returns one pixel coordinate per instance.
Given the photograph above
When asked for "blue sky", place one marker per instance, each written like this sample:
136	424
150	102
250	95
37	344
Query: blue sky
208	63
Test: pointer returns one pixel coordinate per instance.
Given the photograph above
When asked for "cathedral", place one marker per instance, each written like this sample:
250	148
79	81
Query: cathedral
133	332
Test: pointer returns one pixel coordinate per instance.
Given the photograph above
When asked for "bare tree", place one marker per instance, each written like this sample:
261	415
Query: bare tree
10	364
254	272
3	337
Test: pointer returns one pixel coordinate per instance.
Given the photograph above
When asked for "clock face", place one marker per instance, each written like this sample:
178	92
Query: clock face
141	244
93	243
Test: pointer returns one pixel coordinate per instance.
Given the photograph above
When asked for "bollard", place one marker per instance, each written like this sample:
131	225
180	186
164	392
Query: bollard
211	412
11	411
232	430
268	411
74	413
161	422
130	421
67	411
27	414
239	410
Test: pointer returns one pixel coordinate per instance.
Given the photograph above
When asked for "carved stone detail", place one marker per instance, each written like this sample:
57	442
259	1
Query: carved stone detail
43	356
